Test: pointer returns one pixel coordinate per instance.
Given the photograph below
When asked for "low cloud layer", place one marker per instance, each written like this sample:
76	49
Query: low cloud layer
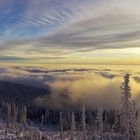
71	87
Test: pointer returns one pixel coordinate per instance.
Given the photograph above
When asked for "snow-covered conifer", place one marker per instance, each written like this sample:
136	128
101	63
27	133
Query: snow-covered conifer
84	123
61	127
23	115
13	113
100	121
8	114
73	127
126	114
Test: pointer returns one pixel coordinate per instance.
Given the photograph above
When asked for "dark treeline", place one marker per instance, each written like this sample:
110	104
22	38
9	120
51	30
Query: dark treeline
49	116
52	116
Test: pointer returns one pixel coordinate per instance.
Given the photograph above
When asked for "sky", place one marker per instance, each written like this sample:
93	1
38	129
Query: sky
70	31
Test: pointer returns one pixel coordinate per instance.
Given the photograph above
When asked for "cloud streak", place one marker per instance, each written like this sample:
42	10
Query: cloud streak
35	28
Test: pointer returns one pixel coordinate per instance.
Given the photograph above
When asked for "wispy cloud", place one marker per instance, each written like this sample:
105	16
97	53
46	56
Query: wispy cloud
71	27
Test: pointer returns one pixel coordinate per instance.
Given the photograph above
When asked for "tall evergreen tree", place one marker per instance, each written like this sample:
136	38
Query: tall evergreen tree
99	120
8	114
61	127
73	127
14	112
84	123
23	115
125	101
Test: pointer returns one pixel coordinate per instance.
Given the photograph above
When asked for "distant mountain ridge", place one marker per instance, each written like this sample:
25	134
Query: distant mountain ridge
21	94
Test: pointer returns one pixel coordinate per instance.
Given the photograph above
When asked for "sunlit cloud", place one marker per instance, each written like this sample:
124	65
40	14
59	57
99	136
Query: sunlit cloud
71	29
73	86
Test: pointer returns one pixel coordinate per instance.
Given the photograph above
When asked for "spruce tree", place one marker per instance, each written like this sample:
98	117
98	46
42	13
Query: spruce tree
8	114
23	116
13	114
61	127
73	127
125	101
84	123
99	120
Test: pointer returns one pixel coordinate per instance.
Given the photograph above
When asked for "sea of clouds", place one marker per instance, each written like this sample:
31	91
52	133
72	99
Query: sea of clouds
75	86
